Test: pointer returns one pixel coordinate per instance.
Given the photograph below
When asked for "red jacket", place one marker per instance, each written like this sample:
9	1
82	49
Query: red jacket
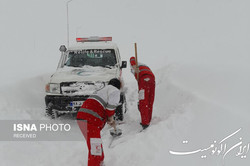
144	70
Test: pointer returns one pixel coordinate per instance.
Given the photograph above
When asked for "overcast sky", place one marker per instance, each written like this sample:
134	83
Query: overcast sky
212	32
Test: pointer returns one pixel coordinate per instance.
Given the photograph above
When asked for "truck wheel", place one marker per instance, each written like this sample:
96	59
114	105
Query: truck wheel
54	114
49	109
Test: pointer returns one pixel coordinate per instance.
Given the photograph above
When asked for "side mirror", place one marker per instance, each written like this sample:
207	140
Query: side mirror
124	64
63	48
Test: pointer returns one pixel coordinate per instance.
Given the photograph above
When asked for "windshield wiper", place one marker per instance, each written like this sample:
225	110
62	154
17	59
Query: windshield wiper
73	66
108	66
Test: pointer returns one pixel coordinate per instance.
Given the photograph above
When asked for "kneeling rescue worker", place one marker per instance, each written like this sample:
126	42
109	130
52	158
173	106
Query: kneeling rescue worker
98	109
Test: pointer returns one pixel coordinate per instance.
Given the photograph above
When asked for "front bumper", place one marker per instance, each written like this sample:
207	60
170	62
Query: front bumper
62	103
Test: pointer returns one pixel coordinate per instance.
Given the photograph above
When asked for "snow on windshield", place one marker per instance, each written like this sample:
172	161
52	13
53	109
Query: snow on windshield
91	57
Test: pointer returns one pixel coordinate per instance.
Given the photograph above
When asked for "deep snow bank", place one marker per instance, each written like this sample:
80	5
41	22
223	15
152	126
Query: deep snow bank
180	114
223	84
24	99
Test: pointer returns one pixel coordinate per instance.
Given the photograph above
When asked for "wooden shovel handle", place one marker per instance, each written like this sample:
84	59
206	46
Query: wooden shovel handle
114	127
136	62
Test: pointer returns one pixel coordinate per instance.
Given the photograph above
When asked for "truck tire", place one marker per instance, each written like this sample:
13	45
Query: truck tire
55	114
49	109
121	109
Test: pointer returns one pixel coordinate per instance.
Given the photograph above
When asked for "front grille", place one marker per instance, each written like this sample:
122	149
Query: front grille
80	88
61	102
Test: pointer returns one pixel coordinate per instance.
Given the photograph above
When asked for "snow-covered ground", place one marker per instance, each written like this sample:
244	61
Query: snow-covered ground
181	113
198	50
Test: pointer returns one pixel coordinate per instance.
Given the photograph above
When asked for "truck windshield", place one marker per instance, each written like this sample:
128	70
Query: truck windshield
92	57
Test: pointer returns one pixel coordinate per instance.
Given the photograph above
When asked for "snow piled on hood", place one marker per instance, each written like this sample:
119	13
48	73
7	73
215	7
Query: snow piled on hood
85	73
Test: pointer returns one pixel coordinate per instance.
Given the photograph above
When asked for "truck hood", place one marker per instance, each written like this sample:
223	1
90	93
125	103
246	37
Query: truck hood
86	73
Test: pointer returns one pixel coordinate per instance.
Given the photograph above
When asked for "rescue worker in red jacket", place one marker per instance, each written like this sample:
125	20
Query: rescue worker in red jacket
146	85
98	109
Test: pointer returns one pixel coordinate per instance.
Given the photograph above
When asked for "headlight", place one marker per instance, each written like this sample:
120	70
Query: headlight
53	88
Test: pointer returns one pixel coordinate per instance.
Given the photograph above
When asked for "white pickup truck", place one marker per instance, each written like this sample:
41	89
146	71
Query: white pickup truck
83	69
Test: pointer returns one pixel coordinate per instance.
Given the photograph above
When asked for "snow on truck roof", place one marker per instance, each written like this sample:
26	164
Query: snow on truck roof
93	43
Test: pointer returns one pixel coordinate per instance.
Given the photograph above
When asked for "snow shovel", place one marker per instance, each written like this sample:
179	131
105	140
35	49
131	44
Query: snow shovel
115	132
136	61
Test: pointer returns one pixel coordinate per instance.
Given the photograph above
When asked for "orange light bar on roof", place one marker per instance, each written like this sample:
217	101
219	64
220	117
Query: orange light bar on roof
94	39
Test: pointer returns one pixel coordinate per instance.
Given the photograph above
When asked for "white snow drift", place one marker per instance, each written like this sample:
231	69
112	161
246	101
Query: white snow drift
183	121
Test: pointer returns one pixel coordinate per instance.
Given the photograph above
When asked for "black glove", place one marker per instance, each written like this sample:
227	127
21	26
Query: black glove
138	105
